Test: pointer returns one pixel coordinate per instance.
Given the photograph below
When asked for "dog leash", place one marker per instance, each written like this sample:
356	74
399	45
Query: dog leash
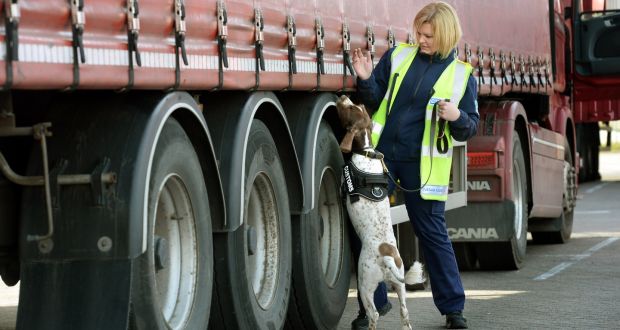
442	147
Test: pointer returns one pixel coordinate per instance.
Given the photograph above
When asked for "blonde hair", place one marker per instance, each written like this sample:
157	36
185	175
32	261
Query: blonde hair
445	24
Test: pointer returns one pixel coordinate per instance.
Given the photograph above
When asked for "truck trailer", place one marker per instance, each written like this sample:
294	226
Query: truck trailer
175	163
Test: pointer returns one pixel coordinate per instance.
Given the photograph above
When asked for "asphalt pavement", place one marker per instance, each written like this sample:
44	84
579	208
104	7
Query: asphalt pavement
569	286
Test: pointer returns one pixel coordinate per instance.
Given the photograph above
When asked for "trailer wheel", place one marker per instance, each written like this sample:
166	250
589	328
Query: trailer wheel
510	255
172	280
253	263
564	223
321	246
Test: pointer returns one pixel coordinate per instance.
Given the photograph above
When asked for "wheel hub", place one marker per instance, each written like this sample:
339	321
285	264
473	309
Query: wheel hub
262	239
174	252
161	253
251	240
570	188
331	227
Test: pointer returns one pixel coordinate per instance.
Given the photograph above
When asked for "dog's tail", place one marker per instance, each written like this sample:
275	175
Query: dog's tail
392	260
415	274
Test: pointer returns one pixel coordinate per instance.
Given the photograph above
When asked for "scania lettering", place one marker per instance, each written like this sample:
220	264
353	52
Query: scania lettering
472	233
478	185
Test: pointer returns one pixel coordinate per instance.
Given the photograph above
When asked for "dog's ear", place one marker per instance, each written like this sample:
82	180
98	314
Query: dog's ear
343	114
347	142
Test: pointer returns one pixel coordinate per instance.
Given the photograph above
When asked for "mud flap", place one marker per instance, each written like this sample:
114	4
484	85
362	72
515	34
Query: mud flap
95	295
481	222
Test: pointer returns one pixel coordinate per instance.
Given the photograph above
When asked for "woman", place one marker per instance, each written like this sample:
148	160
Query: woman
413	88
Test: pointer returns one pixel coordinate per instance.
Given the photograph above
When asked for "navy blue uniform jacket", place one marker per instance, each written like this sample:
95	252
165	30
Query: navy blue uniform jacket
401	138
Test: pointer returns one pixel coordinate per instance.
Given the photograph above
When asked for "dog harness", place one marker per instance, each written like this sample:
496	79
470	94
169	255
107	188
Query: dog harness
359	183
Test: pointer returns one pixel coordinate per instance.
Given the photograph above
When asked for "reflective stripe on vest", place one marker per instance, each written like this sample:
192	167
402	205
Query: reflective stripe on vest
435	172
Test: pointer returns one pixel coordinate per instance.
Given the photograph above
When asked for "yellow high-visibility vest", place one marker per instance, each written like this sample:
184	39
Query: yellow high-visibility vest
450	85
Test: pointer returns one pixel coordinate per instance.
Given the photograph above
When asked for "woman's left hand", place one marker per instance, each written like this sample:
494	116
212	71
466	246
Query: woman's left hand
448	111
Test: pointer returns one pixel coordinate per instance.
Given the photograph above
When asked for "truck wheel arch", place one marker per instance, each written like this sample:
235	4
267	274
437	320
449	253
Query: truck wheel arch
565	123
512	116
305	113
230	122
184	109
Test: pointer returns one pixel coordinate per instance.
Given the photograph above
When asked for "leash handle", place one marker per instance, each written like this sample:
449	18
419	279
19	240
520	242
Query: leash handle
442	147
442	139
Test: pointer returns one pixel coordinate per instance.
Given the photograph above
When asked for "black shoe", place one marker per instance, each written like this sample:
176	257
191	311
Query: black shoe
455	320
385	309
360	323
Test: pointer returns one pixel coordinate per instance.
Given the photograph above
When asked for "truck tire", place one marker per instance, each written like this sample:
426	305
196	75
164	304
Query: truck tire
172	281
562	225
465	254
253	263
588	141
511	254
321	267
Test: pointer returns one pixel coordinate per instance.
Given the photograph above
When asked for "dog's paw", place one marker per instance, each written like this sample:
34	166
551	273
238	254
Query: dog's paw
415	274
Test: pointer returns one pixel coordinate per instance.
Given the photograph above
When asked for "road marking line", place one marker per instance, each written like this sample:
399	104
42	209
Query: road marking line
593	212
553	271
557	269
602	244
570	256
597	187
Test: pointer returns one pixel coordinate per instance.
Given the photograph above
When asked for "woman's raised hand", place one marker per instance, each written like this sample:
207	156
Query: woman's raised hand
362	64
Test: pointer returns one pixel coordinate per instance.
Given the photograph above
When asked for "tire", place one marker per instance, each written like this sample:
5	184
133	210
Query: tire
172	281
322	256
510	255
564	223
466	256
253	263
588	146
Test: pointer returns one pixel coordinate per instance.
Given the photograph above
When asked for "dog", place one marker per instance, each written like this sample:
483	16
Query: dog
370	215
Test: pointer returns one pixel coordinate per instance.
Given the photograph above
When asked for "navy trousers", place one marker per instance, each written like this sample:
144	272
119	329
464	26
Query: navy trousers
429	224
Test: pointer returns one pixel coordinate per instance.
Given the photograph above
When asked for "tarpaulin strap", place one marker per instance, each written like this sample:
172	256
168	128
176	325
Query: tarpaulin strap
222	40
11	24
346	49
78	20
540	68
179	40
502	66
480	54
320	47
530	64
259	25
547	78
391	38
291	31
133	31
513	71
522	70
370	42
492	67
